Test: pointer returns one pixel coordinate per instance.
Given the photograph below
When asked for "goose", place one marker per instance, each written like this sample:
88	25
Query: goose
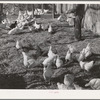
50	29
47	73
68	56
94	83
17	45
59	62
86	65
50	52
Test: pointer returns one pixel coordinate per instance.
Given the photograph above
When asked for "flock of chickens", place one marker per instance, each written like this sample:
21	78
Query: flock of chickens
52	58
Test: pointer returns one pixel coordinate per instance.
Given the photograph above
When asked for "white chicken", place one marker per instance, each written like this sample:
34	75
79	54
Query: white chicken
13	31
17	45
94	84
50	29
62	86
37	26
59	62
88	51
68	56
68	79
50	52
86	65
82	55
59	18
25	59
48	61
47	73
72	48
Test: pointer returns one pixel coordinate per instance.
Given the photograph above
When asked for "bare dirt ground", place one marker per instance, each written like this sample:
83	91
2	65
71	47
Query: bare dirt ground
14	75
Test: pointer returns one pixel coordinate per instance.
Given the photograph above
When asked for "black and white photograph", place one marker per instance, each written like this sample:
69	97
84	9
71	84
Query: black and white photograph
50	46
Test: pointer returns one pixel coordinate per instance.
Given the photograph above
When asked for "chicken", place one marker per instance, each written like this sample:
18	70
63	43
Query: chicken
62	86
25	59
68	56
37	26
59	62
47	61
72	48
13	31
88	51
13	25
17	45
94	84
50	52
59	18
86	65
82	55
50	29
47	73
68	79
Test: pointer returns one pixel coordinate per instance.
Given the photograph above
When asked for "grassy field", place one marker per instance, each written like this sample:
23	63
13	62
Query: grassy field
14	75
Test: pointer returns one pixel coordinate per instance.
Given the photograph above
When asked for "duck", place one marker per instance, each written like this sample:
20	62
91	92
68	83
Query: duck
94	84
88	51
17	45
68	56
59	62
47	73
86	65
50	52
50	29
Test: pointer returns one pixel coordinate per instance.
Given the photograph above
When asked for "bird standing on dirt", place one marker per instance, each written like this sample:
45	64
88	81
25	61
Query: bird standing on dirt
13	25
50	29
59	62
17	45
86	65
68	56
94	83
47	73
88	51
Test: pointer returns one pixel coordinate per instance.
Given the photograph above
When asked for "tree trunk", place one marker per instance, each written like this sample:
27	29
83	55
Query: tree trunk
33	11
53	11
1	8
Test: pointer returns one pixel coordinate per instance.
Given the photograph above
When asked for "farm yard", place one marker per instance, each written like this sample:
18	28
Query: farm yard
14	74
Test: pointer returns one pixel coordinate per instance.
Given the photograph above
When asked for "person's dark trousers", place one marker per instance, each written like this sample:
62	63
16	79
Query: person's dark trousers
77	27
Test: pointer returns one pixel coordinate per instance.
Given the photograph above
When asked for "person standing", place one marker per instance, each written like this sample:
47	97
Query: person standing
78	11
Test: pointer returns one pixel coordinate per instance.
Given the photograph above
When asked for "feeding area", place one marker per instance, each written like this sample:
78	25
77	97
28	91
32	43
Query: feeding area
38	49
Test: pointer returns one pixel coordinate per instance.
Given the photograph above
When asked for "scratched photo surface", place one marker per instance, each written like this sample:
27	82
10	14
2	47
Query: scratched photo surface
50	46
